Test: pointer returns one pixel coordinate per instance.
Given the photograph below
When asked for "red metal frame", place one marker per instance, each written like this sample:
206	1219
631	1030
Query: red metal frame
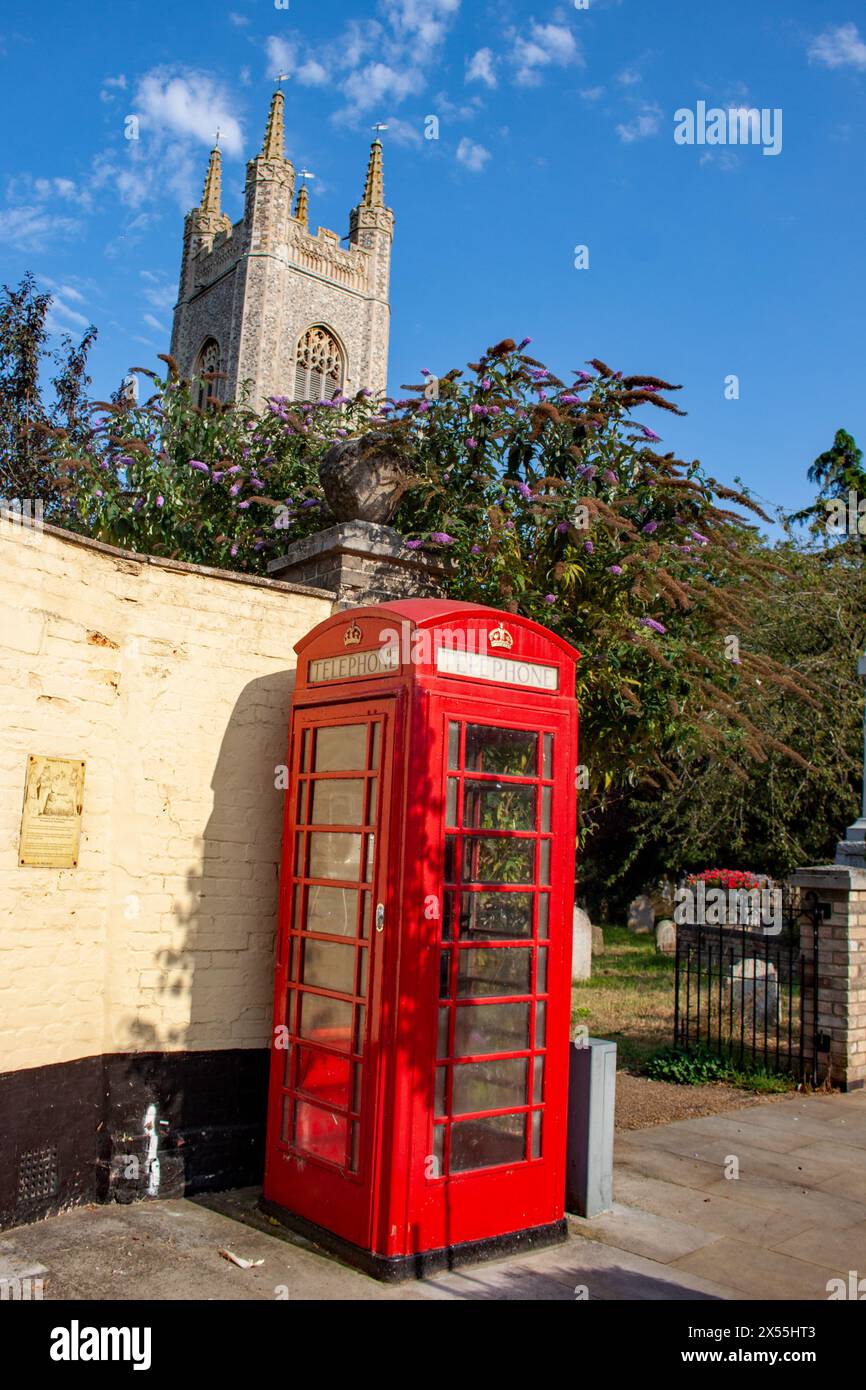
404	1199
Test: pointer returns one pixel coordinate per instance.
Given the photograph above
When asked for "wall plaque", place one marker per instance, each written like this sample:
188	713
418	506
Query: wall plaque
51	819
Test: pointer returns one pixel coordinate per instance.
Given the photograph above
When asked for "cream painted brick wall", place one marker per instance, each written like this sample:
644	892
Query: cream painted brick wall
174	685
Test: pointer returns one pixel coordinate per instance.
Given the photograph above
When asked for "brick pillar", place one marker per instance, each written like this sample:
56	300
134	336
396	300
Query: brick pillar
362	562
841	967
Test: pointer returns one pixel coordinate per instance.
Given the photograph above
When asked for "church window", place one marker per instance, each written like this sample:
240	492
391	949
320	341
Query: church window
208	361
318	366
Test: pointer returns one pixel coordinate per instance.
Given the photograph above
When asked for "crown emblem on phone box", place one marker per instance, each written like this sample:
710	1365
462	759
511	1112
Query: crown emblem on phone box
353	635
501	637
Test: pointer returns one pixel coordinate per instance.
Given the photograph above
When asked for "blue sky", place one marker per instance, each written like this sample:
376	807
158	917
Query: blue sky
556	130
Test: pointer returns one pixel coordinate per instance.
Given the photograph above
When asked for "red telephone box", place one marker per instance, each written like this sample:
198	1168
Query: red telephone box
417	1111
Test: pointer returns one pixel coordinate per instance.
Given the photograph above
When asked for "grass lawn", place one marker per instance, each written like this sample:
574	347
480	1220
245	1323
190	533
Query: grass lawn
630	998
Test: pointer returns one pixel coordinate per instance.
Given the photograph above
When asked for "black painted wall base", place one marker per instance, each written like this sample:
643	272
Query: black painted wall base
397	1269
77	1132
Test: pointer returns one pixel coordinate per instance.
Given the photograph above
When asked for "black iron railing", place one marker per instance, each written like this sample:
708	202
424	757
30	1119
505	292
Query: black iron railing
749	992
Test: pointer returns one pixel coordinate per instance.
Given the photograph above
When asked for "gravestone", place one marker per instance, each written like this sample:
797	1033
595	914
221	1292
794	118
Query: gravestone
641	916
666	937
755	985
597	941
581	949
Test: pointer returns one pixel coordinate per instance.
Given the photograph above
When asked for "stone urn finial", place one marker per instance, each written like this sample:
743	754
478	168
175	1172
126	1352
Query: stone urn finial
364	478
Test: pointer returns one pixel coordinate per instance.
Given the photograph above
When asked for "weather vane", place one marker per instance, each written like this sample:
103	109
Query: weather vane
378	126
281	77
305	174
217	138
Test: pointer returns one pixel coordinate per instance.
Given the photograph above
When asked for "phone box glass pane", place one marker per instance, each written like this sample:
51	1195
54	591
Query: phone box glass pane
498	806
485	1143
328	965
451	803
487	1028
324	1076
320	1132
497	970
338	801
326	1021
489	1086
453	745
510	751
341	749
496	916
489	860
334	854
333	911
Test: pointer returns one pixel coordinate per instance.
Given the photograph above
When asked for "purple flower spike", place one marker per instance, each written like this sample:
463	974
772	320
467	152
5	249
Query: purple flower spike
472	443
589	547
442	538
550	598
563	527
614	569
651	623
525	491
160	500
609	476
199	466
650	527
413	545
696	536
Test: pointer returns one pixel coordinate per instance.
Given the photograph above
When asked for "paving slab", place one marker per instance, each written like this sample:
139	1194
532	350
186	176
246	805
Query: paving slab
727	1215
846	1248
646	1233
758	1273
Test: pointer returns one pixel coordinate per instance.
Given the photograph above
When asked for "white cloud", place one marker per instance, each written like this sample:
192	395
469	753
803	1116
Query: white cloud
153	322
548	45
26	189
66	291
370	62
840	47
240	21
471	155
111	86
480	68
403	132
421	25
158	292
628	77
367	87
592	93
189	104
312	73
282	56
644	124
29	228
63	317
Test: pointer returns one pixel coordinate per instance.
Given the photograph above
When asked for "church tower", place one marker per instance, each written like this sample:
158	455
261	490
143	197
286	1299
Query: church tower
270	303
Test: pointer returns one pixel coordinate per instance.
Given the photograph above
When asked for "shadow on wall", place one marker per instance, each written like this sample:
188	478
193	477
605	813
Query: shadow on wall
194	1093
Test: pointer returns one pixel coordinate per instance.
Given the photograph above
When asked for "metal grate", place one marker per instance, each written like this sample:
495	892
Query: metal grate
38	1175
